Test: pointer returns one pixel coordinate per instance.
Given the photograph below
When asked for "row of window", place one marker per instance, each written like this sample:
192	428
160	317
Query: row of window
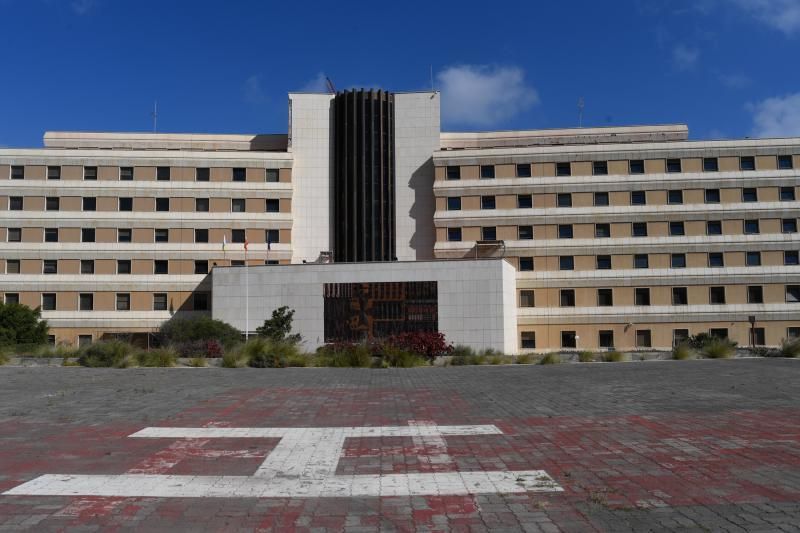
162	173
201	301
272	236
715	260
89	203
160	266
635	166
680	296
601	199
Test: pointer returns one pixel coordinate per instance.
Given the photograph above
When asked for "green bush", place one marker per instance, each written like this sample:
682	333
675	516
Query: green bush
345	356
715	348
198	362
550	359
299	360
159	357
682	351
279	326
264	353
615	357
201	328
3	359
399	358
586	357
460	350
106	354
19	324
234	358
524	359
497	359
790	347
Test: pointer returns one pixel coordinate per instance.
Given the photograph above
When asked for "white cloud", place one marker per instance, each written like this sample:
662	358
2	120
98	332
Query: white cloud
318	84
783	15
253	91
777	117
482	95
735	81
685	58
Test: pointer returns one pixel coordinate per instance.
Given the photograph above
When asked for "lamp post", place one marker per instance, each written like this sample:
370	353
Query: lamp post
752	320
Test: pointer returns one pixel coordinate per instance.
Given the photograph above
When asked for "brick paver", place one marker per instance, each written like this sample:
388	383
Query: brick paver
661	446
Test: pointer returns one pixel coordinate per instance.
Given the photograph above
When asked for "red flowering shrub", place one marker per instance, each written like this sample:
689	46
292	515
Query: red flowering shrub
213	348
425	344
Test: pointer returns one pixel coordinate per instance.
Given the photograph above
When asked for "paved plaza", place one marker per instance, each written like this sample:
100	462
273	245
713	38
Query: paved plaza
655	446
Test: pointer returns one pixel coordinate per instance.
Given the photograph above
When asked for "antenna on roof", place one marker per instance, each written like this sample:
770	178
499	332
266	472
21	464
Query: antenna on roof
581	105
329	83
432	89
154	114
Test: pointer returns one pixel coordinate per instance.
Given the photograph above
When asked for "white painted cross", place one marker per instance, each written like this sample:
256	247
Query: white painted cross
303	464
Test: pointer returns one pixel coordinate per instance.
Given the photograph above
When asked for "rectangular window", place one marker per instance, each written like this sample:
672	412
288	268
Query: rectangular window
678	260
680	296
487	202
453	173
749	194
565	231
239	174
675	197
126	204
605	297
751	227
124	235
641	261
793	293
11	298
601	199
201	267
162	173
527	298
14	235
564	199
747	162
48	301
202	174
755	294
12	266
86	301
162	204
791	258
201	235
84	340
525	233
123	266
273	205
639	229
487	172
161	235
567	298
237	205
713	227
89	203
710	164
238	235
489	233
273	175
17	172
526	264
123	301
273	236
566	262
719	333
528	340
679	336
200	301
600	168
758	336
87	266
161	266
52	203
643	339
569	339
524	201
605	338
716	260
126	173
564	169
716	295
793	333
641	296
603	262
87	234
602	231
201	205
51	235
454	203
787	194
712	196
90	173
753	259
54	173
15	203
159	301
638	198
673	165
636	166
524	170
785	162
676	229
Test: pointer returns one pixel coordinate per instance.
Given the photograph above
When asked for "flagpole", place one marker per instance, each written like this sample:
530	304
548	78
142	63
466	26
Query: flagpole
247	297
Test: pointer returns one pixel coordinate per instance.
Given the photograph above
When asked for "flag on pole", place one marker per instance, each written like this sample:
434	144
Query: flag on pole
224	242
245	245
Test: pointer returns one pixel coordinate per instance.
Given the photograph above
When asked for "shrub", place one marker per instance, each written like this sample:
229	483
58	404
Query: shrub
682	352
298	360
345	355
3	359
159	357
279	327
264	353
395	357
615	357
425	344
201	328
460	350
715	348
524	359
790	347
497	359
19	324
198	362
763	351
234	358
108	354
211	348
586	357
550	359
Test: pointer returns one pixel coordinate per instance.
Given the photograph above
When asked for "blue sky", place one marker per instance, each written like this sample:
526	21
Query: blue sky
728	68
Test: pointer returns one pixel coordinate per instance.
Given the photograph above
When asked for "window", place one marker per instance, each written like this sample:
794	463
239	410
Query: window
90	203
636	166
87	234
791	258
201	205
569	339
489	233
712	196
605	338
487	172
641	261
755	294
678	260
86	302
639	229
679	336
239	174
564	199
787	194
528	340
758	337
238	235
785	162
162	173
675	197
90	173
15	203
202	174
201	267
12	298
487	202
201	235
126	173
526	264
719	333
714	227
716	260
710	164
17	173
716	295
52	203
54	173
237	205
567	298
566	262
87	266
673	165
162	204
454	203
14	235
638	198
565	231
524	171
453	173
793	333
643	339
749	194
676	229
641	296
48	301
161	266
273	235
747	162
273	205
563	169
525	233
51	235
123	266
84	340
526	298
751	227
123	301
161	235
601	198
126	204
680	296
12	266
524	201
273	175
160	301
752	259
602	231
605	297
793	293
603	262
600	168
124	235
200	301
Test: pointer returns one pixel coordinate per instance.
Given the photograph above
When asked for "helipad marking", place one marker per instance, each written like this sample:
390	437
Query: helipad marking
302	464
